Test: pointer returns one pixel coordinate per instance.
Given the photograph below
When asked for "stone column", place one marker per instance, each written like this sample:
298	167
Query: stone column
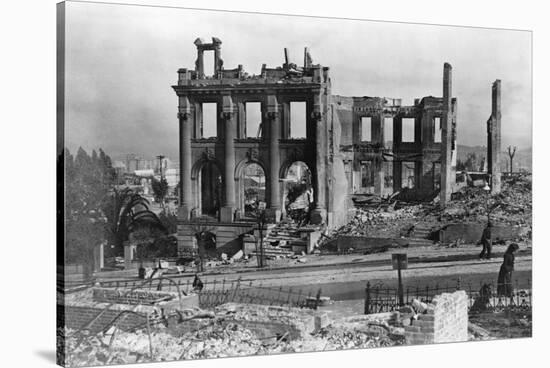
273	212
319	214
378	167
218	63
446	138
228	115
200	64
494	140
396	166
185	125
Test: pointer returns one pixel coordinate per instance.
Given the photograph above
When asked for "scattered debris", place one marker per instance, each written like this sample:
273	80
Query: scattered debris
218	339
478	332
237	255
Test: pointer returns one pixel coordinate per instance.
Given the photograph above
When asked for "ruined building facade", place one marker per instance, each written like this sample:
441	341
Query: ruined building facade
347	146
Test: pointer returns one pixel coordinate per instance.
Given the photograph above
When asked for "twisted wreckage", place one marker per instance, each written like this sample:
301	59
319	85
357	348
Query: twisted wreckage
353	147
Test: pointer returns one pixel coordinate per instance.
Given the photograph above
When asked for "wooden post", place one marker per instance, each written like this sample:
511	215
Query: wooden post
400	286
367	298
150	341
318	299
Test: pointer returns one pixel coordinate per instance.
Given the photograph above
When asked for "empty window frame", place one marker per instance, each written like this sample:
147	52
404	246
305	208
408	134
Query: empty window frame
209	120
253	119
407	175
388	175
388	132
436	174
408	130
366	129
367	174
437	130
298	120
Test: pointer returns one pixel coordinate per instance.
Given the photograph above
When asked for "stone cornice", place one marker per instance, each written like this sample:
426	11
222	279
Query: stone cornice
279	88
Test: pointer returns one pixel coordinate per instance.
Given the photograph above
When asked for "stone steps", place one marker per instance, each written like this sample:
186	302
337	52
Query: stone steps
418	242
421	232
273	252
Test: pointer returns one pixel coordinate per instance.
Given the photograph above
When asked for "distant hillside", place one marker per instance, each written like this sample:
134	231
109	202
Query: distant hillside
522	158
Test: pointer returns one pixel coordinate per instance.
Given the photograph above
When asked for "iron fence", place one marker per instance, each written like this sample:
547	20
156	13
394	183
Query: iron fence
216	292
238	292
379	298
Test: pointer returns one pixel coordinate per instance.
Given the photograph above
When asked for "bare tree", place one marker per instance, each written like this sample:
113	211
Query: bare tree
511	153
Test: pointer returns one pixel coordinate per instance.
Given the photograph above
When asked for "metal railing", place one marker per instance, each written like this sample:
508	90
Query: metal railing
239	292
380	299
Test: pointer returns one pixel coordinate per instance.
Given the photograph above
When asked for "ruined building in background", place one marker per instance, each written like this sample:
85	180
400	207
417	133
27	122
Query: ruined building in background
352	146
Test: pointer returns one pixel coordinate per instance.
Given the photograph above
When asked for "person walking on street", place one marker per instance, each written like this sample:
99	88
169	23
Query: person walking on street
504	283
486	242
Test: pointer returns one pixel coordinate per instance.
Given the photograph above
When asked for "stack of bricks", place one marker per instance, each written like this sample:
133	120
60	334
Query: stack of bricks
446	320
261	318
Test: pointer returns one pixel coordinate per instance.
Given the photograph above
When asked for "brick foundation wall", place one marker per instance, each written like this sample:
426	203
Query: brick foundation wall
445	321
471	232
266	320
262	328
125	296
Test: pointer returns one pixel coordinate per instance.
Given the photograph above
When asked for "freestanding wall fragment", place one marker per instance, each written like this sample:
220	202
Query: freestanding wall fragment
446	320
447	178
493	140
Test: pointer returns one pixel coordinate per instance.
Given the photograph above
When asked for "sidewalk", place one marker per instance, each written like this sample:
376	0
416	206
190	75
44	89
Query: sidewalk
433	255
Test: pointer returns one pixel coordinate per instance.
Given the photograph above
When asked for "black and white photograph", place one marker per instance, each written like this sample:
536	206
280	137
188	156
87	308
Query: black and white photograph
234	184
232	190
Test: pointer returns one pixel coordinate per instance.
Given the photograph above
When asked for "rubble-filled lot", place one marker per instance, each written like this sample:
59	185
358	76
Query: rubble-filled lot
501	325
217	340
513	206
224	332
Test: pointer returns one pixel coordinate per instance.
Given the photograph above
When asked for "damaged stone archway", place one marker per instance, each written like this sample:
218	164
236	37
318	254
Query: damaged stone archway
207	182
297	186
251	179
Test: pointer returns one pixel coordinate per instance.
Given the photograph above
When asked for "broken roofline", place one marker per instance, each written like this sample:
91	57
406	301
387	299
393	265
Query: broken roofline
309	77
288	70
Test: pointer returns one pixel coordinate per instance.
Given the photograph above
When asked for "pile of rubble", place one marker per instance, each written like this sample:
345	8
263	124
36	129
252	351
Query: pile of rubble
134	347
218	339
512	206
383	224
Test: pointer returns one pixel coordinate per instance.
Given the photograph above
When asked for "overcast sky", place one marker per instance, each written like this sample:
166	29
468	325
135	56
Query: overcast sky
121	62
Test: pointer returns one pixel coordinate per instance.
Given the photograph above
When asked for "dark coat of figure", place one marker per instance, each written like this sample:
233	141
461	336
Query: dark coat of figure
487	243
483	301
504	283
197	284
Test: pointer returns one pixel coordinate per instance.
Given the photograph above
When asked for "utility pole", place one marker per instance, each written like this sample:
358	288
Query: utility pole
511	153
160	157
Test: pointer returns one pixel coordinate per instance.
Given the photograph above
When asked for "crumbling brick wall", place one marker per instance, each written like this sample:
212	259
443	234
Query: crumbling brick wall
265	321
446	320
296	321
